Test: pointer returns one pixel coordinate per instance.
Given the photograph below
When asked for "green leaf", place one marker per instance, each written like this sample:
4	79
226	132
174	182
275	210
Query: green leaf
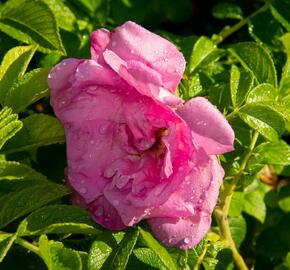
240	83
57	219
31	22
9	125
15	176
270	38
38	130
13	67
238	227
120	255
196	252
280	10
284	204
6	241
257	60
17	204
275	153
12	170
100	251
194	85
284	199
31	88
284	87
264	119
287	260
254	202
65	18
237	204
149	257
204	52
106	255
264	93
225	10
209	263
160	251
286	44
57	257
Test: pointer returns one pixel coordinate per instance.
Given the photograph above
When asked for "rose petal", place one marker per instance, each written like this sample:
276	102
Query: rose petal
210	128
99	41
133	42
105	214
58	78
184	233
144	79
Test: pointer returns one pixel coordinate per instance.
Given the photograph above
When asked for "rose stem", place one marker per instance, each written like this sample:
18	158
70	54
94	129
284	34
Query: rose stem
220	37
27	245
222	210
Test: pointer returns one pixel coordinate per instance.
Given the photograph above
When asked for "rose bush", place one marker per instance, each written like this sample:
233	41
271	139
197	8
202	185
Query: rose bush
135	150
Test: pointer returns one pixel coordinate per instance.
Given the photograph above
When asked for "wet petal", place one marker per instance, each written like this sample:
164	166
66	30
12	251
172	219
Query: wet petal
210	128
186	232
58	78
99	41
131	41
144	79
105	214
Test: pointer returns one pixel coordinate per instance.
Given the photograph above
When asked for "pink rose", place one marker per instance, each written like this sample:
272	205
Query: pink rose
135	151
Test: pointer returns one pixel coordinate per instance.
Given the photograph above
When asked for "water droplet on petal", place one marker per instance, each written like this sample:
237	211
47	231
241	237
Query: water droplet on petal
166	59
115	202
166	52
102	129
49	76
186	240
132	51
99	211
156	51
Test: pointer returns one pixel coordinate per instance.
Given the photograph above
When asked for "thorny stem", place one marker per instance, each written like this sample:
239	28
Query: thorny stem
27	245
227	32
222	210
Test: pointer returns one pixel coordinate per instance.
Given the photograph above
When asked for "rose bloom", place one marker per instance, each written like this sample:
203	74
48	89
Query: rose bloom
135	150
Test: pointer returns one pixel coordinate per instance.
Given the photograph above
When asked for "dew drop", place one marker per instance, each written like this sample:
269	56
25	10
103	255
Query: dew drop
156	52
132	51
186	240
115	202
102	129
99	211
177	70
83	190
49	76
166	59
166	52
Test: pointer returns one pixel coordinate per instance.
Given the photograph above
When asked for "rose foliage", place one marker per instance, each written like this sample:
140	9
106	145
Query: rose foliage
123	148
